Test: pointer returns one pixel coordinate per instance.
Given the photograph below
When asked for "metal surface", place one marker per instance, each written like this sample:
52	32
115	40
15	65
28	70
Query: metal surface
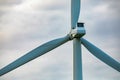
101	55
34	54
75	11
78	32
77	59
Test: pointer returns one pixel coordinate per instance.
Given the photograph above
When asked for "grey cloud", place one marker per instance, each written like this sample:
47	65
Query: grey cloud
9	2
106	23
56	5
6	5
22	28
2	13
108	28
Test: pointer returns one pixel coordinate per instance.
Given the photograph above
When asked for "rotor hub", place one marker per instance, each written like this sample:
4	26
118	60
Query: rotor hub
78	32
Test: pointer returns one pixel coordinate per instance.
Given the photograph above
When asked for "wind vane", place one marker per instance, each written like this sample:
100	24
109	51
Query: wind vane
76	33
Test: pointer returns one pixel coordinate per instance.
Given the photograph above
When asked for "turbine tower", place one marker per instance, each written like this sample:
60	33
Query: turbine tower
76	33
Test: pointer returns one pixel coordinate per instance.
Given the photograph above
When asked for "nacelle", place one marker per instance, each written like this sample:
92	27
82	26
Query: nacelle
78	32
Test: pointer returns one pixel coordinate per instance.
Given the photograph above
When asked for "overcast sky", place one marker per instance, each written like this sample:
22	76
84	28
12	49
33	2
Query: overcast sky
26	24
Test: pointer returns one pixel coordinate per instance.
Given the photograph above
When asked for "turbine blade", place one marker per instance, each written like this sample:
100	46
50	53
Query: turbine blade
34	54
75	10
101	55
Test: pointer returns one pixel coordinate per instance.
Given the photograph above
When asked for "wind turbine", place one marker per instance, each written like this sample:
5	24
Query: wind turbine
76	33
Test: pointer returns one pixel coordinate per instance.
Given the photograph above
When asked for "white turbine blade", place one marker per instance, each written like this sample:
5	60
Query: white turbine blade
75	10
34	54
101	55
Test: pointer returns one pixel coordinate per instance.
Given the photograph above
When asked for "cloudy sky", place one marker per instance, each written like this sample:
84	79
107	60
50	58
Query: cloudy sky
26	24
